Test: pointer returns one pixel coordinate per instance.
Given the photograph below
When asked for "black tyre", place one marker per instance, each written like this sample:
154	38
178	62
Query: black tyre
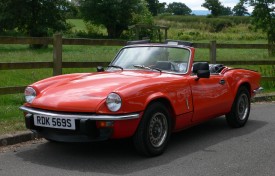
154	130
240	110
52	141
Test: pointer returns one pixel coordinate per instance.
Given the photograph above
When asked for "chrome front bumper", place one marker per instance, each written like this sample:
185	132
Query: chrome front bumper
79	116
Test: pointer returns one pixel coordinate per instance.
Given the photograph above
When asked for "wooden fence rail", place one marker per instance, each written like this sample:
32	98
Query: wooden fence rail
57	64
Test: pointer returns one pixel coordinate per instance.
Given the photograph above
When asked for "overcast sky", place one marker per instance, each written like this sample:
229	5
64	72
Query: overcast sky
196	4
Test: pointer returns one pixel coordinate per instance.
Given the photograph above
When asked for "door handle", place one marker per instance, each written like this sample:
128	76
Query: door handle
222	82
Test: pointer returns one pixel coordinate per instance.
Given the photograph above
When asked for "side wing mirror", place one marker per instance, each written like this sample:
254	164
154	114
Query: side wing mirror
201	69
203	74
99	69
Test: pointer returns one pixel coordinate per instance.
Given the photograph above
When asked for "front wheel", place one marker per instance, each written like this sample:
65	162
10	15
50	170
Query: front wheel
240	110
154	130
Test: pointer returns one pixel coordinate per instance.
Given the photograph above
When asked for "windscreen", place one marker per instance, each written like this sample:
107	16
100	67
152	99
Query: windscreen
170	59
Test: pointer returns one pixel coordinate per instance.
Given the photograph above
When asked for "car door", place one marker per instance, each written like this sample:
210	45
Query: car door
211	97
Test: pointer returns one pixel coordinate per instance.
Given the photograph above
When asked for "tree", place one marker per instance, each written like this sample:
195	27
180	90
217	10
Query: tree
239	9
115	15
226	11
264	18
34	17
178	8
144	16
161	7
153	6
214	6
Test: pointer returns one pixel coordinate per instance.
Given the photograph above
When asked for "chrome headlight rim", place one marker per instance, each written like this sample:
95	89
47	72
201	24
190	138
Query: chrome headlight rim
30	94
114	102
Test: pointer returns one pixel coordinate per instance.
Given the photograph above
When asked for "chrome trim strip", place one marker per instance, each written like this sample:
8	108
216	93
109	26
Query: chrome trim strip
187	104
260	89
79	116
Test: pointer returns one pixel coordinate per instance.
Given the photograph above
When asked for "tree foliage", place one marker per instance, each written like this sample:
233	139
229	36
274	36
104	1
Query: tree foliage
178	8
216	8
226	11
115	15
264	18
162	7
240	9
153	6
37	18
144	16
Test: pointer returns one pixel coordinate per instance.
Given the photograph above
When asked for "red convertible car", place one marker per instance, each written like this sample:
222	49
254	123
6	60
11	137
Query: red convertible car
147	92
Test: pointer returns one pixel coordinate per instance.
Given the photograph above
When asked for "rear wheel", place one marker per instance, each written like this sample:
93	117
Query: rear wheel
154	130
240	110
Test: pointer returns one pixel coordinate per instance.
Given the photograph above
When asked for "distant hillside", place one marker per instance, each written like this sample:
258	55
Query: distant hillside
200	12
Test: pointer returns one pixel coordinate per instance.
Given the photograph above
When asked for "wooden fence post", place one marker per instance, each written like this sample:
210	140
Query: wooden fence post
57	54
165	34
159	35
213	52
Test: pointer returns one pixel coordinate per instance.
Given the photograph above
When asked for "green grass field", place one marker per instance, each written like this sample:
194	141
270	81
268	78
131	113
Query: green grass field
11	119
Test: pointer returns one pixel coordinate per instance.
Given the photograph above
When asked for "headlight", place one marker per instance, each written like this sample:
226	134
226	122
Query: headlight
30	94
113	102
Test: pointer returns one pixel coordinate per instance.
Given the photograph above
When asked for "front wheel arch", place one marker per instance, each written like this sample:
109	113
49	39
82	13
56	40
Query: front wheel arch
169	107
153	133
166	102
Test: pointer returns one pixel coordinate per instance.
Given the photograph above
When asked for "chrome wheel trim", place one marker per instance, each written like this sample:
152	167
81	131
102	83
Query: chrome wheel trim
158	129
243	106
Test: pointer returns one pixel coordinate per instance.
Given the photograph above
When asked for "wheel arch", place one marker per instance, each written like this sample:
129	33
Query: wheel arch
238	86
142	138
246	85
239	113
167	103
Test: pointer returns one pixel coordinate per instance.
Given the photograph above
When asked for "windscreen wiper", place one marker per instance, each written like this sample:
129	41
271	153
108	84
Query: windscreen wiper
115	66
148	68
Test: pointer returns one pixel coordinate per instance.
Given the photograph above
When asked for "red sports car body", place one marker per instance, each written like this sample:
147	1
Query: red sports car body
147	92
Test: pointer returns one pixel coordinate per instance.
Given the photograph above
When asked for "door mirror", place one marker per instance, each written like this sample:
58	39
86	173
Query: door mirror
100	69
200	66
203	73
201	69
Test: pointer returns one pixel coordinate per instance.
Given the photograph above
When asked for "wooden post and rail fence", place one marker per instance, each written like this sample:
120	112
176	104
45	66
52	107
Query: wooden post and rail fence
57	41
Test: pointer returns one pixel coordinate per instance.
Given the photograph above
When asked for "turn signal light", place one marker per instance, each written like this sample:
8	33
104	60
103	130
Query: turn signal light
104	124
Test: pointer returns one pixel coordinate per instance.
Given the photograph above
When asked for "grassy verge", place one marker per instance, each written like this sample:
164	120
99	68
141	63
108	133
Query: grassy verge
11	119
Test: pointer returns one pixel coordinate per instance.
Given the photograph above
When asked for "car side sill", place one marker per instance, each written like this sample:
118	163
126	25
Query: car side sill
79	116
